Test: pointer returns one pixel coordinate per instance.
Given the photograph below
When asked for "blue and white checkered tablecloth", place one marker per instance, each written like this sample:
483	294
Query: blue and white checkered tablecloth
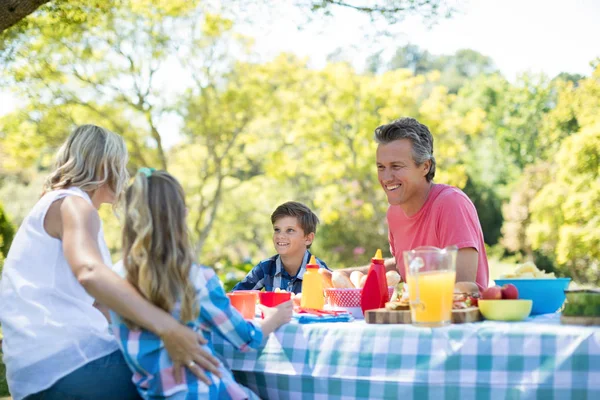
535	359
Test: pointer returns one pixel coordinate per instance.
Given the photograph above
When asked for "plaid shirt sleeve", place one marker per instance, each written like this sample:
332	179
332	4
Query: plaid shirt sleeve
217	312
255	280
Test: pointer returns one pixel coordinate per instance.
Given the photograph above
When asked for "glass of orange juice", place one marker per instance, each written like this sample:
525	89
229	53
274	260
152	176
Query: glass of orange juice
430	274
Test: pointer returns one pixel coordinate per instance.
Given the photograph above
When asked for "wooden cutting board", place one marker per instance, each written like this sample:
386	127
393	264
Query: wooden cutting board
385	316
580	320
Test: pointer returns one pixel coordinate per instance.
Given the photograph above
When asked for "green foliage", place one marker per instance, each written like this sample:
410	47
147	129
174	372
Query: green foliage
489	209
1	257
7	232
255	134
565	211
455	70
230	272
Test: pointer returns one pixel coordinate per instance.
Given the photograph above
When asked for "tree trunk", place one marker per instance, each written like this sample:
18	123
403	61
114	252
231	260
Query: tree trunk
12	11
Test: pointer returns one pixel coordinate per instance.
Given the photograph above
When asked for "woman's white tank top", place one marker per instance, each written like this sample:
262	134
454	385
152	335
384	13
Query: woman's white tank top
48	320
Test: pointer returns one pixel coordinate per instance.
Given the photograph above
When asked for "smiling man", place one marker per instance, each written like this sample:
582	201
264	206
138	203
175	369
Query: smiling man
421	212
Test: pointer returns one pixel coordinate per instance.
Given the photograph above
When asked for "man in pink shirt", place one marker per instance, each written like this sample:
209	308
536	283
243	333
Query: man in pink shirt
423	213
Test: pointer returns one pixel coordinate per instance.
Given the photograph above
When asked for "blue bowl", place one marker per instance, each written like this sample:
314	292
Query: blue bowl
548	295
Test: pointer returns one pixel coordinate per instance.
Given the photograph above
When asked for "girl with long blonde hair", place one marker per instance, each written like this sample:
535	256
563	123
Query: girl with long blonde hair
158	262
57	344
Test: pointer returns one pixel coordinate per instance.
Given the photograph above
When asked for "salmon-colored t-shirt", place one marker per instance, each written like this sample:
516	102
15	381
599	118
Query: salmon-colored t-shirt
447	218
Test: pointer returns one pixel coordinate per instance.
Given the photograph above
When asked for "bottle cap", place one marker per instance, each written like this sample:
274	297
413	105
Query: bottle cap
312	263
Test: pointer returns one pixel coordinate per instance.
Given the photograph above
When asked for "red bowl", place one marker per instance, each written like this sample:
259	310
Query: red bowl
244	302
271	299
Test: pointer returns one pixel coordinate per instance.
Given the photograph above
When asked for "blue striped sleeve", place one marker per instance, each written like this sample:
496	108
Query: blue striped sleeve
216	310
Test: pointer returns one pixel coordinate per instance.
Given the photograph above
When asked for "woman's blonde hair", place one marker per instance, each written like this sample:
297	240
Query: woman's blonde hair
156	250
91	157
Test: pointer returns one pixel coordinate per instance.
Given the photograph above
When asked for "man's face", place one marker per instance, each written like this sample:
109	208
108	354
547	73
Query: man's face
399	176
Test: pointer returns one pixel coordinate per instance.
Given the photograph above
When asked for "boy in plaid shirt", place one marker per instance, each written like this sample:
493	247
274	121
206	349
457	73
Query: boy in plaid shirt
294	228
158	262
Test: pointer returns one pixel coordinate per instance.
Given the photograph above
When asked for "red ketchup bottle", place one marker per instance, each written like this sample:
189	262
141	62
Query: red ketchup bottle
375	292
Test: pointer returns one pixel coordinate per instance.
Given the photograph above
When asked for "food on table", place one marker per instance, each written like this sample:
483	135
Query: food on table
528	270
466	295
582	303
341	280
492	293
356	277
510	292
326	276
297	299
506	292
392	278
470	288
400	299
363	280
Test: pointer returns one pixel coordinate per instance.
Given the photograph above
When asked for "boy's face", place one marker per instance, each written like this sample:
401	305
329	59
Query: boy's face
289	237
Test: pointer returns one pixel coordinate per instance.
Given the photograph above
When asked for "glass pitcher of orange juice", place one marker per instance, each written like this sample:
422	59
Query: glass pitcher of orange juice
430	274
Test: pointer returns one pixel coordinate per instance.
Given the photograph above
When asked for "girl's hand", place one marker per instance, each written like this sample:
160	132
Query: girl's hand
276	316
183	346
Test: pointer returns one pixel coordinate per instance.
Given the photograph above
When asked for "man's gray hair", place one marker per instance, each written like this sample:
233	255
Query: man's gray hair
417	133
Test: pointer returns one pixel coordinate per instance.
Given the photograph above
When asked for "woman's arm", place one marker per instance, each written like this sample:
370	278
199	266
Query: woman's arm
78	230
216	308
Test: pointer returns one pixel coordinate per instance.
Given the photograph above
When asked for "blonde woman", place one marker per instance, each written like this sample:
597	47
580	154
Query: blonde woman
158	261
57	343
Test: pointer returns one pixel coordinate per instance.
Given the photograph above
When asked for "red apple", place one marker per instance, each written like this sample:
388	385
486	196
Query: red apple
510	292
492	293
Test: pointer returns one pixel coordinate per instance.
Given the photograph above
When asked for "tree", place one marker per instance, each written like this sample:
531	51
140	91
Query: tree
565	211
391	11
7	232
13	11
456	69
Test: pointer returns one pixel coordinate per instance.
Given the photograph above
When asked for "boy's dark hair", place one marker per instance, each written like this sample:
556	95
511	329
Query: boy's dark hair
417	133
306	218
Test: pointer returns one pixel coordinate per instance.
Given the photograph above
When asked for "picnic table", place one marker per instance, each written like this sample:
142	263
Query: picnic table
535	359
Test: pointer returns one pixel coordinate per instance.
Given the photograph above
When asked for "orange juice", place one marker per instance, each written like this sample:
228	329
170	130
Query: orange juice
435	291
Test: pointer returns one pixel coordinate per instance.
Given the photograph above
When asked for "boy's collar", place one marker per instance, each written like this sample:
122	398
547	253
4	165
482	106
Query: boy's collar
301	271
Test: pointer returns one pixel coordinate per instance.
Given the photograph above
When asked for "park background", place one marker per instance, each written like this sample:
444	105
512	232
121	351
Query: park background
253	103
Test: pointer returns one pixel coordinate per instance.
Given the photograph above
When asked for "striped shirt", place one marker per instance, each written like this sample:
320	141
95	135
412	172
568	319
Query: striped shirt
270	274
151	365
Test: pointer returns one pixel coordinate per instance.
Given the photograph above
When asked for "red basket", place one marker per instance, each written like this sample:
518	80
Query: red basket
348	297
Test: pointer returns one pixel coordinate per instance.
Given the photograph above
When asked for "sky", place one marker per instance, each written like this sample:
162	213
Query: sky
519	35
537	36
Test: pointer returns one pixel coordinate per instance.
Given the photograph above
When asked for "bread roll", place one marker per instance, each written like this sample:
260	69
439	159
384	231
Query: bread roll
355	278
469	288
326	276
363	280
341	281
392	278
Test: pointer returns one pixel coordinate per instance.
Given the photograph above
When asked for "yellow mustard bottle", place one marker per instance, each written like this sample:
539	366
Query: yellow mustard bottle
312	287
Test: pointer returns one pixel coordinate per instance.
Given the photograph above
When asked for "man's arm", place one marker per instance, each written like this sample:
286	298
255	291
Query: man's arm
466	265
